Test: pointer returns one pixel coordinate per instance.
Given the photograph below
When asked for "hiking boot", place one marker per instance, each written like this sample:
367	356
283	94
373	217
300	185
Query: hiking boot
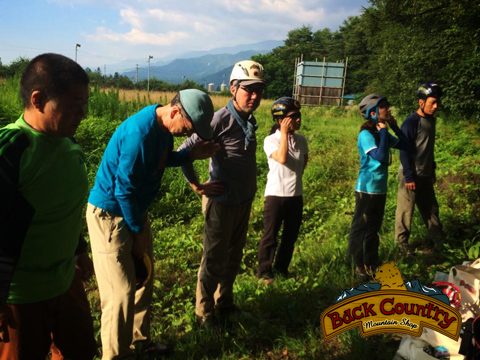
150	349
156	349
361	274
360	271
206	322
438	247
406	250
227	311
267	281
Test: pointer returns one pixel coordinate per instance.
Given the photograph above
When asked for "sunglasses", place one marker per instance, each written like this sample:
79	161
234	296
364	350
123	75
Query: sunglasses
253	89
295	116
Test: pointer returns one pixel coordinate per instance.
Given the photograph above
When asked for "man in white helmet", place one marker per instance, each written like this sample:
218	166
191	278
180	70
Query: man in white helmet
229	192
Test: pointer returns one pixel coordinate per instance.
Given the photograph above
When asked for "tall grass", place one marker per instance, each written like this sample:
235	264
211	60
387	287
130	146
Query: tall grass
283	319
10	103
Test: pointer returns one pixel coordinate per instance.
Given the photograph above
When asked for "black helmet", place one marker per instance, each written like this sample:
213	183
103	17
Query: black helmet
369	103
429	90
283	106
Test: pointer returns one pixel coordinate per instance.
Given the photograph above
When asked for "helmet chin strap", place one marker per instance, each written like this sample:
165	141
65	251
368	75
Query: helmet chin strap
423	112
376	116
237	85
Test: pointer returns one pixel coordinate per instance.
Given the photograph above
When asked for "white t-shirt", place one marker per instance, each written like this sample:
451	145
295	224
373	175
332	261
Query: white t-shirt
285	179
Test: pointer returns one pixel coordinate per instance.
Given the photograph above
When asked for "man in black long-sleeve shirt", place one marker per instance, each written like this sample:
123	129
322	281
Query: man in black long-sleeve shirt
417	172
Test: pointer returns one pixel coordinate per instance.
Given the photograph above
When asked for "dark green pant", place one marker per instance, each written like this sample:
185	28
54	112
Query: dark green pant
424	197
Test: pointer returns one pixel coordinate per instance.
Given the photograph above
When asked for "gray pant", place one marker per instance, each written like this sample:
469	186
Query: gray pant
224	240
424	198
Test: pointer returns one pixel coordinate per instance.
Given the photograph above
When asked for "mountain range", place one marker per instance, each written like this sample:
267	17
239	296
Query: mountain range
204	67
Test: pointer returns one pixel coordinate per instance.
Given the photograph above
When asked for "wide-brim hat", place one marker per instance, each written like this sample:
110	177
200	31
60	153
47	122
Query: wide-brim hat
199	108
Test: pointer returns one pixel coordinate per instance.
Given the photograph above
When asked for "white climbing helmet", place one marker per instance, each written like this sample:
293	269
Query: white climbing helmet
248	72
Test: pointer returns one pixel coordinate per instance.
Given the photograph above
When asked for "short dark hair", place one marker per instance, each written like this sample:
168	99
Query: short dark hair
52	74
176	102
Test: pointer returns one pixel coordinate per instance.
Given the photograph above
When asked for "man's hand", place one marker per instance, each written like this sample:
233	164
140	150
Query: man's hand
212	188
6	318
141	239
203	150
410	186
84	266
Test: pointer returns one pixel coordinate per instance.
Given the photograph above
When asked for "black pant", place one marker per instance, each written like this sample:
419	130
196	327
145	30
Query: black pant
363	241
277	210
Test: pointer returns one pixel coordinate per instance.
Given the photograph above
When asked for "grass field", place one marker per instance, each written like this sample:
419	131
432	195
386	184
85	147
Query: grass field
283	320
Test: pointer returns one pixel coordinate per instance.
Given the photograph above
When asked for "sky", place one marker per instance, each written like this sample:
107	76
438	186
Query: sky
110	32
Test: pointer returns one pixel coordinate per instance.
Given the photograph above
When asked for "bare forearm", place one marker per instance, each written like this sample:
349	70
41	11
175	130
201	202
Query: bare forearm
280	155
190	175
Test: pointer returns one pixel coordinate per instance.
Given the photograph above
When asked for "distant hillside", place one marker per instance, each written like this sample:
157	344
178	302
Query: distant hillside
207	68
260	47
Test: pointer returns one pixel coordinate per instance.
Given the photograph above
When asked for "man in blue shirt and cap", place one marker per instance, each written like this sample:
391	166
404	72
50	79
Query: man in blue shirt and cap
127	182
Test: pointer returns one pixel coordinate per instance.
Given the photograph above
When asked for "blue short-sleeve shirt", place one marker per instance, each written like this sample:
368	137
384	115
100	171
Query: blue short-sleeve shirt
373	175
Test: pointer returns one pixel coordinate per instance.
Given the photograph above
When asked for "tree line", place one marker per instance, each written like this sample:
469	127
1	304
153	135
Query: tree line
393	47
116	80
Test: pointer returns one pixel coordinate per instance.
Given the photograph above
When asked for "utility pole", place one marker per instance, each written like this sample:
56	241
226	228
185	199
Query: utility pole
104	70
148	72
76	47
136	75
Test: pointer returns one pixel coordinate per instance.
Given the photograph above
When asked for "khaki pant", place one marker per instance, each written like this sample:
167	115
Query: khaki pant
125	310
224	240
424	198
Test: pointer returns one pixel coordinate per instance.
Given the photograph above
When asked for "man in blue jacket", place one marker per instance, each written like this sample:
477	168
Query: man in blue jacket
417	172
127	182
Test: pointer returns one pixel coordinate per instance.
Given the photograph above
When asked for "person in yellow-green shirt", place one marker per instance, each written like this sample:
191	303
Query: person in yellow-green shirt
43	187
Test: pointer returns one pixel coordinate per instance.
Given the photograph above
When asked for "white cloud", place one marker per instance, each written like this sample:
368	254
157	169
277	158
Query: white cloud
138	37
198	25
132	17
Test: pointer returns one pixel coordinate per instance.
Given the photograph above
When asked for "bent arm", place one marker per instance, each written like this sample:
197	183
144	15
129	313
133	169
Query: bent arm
402	143
280	155
187	168
409	129
381	152
203	149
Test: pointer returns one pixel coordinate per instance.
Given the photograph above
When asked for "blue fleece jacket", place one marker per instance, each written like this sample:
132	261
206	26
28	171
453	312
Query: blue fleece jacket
132	167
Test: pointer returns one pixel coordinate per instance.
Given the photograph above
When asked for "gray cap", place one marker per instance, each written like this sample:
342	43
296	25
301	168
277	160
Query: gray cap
199	108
